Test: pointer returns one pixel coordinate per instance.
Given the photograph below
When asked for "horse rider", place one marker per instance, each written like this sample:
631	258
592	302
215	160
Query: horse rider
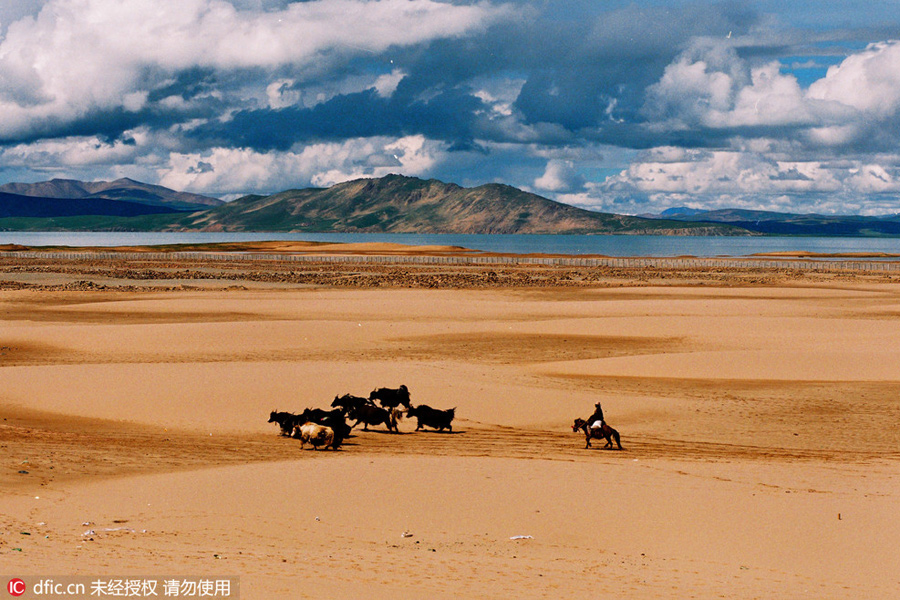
596	420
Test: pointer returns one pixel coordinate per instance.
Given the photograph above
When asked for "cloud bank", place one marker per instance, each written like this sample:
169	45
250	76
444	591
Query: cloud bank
627	107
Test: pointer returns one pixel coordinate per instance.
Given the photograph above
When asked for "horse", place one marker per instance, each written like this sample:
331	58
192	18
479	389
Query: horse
604	431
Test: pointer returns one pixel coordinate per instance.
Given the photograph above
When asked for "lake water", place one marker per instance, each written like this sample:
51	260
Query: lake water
608	245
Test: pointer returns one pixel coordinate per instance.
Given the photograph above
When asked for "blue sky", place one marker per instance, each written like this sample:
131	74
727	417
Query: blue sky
628	107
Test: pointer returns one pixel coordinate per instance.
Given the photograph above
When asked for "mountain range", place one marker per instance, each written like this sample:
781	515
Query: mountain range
776	223
390	204
43	204
120	190
398	204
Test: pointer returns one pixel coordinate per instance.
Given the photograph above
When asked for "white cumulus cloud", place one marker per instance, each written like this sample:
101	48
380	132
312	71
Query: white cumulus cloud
711	86
560	176
666	177
240	170
868	81
79	56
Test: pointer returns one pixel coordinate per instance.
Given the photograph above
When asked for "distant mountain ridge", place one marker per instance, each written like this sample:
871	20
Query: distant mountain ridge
776	223
34	207
400	204
678	211
390	204
125	190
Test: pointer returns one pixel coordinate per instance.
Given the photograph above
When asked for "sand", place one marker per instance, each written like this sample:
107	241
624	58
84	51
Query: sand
762	453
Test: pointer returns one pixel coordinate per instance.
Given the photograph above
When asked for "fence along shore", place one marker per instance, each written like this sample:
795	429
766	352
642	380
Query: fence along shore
813	264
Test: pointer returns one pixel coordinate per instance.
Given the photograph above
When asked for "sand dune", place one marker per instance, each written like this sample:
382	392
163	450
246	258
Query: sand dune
762	455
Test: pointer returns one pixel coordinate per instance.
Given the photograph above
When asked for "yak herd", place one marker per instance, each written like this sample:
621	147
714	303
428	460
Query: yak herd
329	428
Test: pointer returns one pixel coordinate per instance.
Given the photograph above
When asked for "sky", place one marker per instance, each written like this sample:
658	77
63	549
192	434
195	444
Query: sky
626	107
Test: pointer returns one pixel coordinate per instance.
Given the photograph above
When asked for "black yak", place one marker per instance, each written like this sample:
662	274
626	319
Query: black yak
391	398
431	417
373	415
285	420
348	402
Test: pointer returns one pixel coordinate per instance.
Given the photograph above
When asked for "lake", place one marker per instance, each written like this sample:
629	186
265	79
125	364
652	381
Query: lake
608	245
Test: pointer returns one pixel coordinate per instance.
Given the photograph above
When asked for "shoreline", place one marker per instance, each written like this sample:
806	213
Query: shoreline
314	248
757	409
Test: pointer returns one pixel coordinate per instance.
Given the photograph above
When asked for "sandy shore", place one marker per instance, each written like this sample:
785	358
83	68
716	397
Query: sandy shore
758	412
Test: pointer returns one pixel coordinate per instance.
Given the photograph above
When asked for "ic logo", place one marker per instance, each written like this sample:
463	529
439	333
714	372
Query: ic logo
16	587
